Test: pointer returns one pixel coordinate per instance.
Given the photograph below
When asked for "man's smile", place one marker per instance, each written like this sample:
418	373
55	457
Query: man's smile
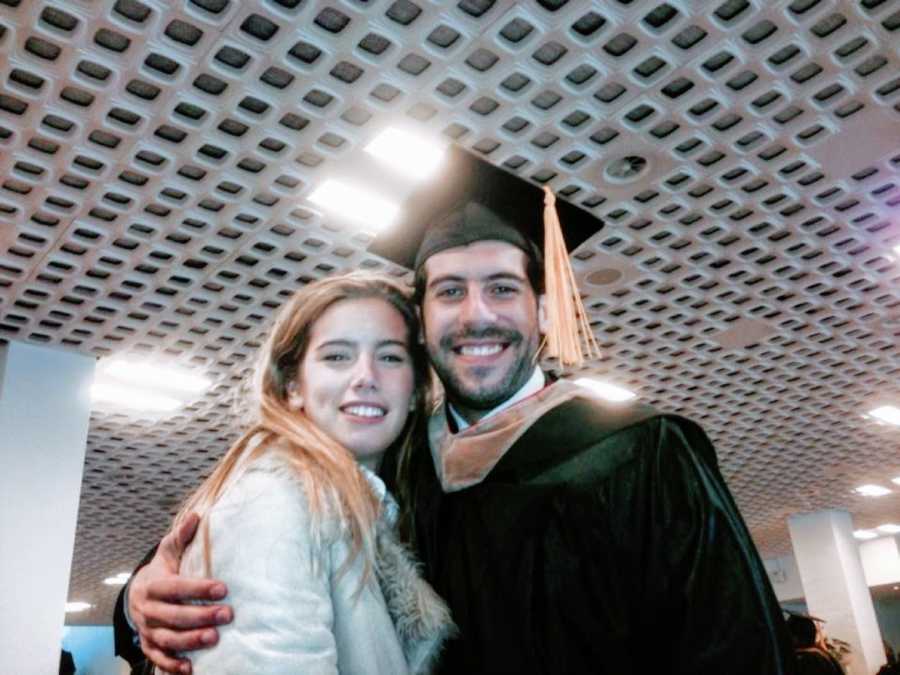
482	349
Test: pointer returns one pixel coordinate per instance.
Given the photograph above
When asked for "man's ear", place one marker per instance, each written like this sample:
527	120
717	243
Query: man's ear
294	399
543	322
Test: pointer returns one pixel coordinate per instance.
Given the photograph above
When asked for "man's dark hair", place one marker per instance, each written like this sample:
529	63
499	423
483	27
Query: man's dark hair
803	630
534	271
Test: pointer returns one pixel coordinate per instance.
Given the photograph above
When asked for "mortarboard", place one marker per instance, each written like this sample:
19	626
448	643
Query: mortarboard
471	200
464	179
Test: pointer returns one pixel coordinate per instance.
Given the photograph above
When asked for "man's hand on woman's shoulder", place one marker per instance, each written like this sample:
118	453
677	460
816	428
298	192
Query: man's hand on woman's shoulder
156	604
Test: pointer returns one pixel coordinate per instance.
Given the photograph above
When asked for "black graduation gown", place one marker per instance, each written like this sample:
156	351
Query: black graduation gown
602	542
813	661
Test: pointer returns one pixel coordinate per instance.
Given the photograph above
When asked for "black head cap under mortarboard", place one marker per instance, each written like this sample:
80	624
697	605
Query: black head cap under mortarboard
470	223
472	200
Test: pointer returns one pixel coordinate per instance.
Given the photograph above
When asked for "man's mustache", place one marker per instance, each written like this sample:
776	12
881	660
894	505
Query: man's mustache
450	340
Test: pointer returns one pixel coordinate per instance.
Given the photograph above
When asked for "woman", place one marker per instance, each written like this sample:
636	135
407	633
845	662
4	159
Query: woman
295	521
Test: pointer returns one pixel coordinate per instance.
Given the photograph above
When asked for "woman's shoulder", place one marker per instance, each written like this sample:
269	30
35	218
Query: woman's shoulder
273	481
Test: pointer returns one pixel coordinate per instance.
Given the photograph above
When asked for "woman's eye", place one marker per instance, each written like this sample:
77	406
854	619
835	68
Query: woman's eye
335	357
394	358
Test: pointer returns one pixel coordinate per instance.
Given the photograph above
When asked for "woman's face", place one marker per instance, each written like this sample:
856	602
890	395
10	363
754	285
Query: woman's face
356	380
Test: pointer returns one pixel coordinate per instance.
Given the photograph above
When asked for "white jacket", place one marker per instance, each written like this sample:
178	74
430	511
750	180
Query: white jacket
292	613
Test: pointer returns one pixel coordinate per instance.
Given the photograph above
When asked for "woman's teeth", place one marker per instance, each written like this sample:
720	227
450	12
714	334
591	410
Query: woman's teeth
364	411
480	350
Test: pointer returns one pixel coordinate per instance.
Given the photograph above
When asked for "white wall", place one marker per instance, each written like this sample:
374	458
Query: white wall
880	560
785	578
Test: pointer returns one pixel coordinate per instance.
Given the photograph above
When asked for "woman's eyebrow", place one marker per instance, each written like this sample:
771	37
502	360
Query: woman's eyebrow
354	343
392	343
336	343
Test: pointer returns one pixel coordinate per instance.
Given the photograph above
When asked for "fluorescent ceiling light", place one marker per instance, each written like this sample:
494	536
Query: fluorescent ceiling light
896	480
886	413
416	157
605	390
131	397
872	490
888	528
355	204
77	606
142	385
865	534
155	376
119	580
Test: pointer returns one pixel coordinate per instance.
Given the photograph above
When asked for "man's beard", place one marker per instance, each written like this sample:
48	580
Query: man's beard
481	396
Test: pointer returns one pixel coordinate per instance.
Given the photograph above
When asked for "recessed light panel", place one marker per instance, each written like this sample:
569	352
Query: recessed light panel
144	386
355	204
871	490
132	398
154	376
77	606
413	155
605	390
886	413
118	580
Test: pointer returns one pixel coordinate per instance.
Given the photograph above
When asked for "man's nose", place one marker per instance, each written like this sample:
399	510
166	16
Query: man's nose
476	309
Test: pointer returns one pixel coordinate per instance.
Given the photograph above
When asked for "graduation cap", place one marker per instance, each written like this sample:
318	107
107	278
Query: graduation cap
471	200
801	615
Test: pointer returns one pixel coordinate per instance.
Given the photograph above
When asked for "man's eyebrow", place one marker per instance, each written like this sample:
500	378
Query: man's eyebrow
491	277
443	278
505	275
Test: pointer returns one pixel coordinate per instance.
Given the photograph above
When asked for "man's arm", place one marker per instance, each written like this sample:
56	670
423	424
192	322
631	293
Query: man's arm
705	569
155	599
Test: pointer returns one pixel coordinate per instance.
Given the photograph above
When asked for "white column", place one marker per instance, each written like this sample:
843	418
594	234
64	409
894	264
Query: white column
835	585
44	415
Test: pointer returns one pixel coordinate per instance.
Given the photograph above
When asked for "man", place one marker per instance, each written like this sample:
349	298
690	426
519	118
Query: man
811	654
567	535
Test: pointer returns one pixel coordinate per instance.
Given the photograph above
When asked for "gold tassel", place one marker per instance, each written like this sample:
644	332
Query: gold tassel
569	335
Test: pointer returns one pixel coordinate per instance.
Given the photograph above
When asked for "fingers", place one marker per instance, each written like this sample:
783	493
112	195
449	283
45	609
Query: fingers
179	589
184	535
172	546
167	641
167	615
165	662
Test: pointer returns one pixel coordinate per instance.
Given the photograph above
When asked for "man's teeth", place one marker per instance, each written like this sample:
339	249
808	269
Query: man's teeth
364	411
480	350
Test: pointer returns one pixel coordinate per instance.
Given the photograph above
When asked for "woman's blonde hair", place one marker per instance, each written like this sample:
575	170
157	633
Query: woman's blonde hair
327	470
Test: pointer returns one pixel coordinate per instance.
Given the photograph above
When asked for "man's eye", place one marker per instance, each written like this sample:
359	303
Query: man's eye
505	290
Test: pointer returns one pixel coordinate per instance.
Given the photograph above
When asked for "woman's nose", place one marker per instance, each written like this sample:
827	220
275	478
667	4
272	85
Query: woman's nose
364	374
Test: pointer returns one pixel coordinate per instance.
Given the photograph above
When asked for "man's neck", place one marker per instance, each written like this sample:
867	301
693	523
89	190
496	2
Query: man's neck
465	417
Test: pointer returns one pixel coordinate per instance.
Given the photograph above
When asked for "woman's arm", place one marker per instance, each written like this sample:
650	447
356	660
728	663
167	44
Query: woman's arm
262	547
